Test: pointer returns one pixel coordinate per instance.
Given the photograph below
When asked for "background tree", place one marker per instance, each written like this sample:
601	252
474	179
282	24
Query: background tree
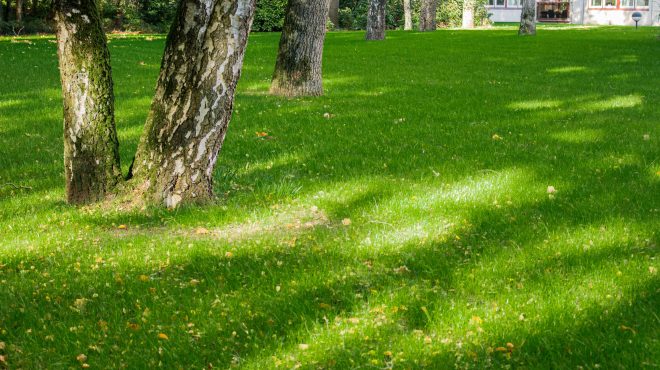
19	10
468	14
427	15
528	18
300	55
333	12
407	14
376	20
91	152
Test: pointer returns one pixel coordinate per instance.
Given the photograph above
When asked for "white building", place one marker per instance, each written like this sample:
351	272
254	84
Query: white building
602	12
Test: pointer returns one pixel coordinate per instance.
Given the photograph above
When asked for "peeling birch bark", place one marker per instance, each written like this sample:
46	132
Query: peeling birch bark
193	103
427	15
300	55
376	20
528	18
91	149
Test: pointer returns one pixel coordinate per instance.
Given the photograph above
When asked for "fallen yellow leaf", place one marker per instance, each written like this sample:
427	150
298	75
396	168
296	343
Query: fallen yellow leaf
143	278
121	227
163	336
346	221
81	357
201	231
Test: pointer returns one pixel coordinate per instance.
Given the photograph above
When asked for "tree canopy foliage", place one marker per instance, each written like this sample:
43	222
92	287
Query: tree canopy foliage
155	16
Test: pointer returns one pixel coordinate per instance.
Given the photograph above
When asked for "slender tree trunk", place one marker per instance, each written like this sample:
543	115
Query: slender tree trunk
193	102
2	12
528	18
298	66
376	20
427	14
407	15
19	10
333	12
468	14
8	11
34	8
91	153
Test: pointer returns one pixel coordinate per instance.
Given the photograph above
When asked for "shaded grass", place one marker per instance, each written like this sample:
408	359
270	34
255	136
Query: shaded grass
439	149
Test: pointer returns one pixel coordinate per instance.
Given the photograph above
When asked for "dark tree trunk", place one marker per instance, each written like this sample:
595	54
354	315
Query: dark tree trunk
528	18
19	10
34	8
333	12
376	20
427	15
91	153
298	67
2	12
468	14
193	102
407	15
8	11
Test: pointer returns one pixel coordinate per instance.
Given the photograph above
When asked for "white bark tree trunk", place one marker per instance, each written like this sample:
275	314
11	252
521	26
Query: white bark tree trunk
528	18
91	153
407	15
300	56
193	103
376	20
427	15
468	14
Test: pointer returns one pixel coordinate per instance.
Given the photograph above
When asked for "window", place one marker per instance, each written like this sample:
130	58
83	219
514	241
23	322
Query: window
622	4
498	3
514	3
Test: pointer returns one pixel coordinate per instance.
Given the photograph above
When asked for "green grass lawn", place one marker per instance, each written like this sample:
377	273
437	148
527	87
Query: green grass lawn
402	220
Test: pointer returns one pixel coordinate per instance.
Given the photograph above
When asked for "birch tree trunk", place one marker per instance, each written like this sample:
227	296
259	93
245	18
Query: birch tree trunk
299	60
91	150
427	14
407	15
528	18
376	20
193	103
468	14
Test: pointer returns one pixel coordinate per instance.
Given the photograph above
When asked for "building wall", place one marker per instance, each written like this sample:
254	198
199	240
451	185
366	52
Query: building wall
582	14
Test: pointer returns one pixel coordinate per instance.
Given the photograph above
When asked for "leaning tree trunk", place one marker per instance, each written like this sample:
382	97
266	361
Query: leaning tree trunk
91	150
193	103
468	14
407	15
376	20
298	66
427	14
528	18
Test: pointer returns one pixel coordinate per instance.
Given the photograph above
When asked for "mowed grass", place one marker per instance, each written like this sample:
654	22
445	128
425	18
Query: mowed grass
401	220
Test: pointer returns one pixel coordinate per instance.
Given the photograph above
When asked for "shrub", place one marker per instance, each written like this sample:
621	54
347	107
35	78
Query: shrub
269	15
